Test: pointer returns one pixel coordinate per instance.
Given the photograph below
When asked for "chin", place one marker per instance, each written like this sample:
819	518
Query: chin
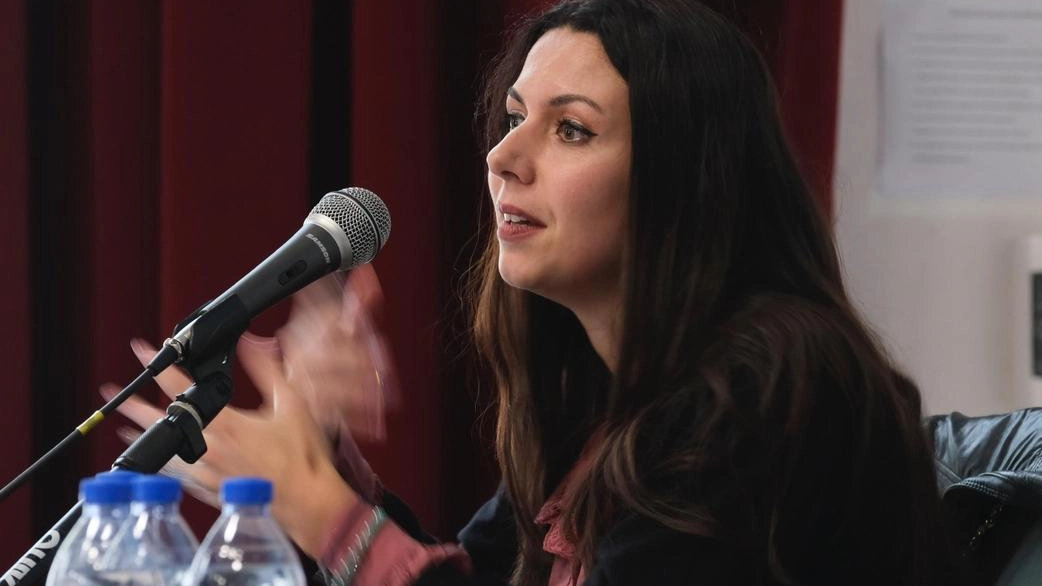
517	277
514	280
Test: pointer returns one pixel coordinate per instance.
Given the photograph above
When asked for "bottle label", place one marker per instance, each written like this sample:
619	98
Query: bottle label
22	567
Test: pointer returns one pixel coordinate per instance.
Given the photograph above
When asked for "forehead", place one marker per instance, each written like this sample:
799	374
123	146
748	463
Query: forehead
564	61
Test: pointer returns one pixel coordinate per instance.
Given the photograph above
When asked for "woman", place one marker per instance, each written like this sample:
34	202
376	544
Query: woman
686	394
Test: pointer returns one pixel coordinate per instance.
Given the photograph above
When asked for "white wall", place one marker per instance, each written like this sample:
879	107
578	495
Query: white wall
938	279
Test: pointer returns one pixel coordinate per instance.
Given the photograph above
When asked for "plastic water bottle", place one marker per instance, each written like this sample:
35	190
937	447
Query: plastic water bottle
154	547
245	546
106	504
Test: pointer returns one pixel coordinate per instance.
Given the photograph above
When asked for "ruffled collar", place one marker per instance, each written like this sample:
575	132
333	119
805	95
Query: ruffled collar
556	541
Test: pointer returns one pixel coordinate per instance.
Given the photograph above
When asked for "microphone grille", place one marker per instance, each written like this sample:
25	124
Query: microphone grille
363	217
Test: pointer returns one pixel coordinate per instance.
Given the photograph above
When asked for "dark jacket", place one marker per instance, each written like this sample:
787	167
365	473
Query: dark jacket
636	551
989	471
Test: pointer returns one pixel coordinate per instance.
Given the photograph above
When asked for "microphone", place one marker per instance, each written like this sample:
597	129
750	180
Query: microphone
343	231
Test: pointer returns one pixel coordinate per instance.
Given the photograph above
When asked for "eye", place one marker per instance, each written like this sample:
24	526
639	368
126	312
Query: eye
571	131
514	119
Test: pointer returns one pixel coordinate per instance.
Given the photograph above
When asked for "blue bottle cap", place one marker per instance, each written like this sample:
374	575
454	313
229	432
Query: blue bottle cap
246	491
156	490
105	491
122	476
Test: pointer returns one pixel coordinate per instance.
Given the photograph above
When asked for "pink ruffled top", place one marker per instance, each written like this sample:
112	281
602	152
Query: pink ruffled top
396	559
567	569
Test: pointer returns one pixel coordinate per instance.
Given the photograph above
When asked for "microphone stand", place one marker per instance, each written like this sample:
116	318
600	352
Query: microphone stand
180	433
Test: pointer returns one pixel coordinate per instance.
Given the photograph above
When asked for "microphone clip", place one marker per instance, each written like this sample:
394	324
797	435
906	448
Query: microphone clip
205	344
210	329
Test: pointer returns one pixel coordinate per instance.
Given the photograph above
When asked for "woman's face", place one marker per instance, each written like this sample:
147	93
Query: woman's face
560	178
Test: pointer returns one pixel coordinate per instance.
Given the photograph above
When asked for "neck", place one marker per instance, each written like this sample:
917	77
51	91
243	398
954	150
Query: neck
602	325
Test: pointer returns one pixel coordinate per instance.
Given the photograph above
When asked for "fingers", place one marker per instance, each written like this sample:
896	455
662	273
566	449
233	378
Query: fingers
364	286
368	423
204	494
196	479
315	304
269	344
173	381
264	367
325	291
363	301
135	409
128	435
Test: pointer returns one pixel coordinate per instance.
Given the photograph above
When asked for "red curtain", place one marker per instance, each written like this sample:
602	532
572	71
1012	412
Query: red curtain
15	343
806	66
801	42
153	152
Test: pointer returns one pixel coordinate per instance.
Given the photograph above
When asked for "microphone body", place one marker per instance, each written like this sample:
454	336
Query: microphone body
345	230
307	256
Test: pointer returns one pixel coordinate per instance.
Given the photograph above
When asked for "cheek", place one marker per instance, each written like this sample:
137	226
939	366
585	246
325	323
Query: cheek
596	221
599	206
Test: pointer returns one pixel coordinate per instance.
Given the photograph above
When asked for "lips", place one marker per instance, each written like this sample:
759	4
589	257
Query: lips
513	215
516	225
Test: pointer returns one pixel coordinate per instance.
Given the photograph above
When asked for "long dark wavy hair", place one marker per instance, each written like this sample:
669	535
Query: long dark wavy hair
750	404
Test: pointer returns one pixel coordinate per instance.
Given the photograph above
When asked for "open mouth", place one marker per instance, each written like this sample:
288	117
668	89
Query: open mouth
513	216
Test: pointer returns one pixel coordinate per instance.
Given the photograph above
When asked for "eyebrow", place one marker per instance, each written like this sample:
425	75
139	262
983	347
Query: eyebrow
558	101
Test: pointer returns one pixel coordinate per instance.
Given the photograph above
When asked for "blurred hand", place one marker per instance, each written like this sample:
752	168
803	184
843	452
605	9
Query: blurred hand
280	441
337	358
334	372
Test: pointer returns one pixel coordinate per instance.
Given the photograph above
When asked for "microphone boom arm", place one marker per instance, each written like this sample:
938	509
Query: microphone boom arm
208	357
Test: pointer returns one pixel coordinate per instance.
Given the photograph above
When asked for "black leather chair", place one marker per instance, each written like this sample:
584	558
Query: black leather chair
989	471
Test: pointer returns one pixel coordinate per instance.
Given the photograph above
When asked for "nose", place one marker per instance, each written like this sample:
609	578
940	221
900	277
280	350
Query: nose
510	160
